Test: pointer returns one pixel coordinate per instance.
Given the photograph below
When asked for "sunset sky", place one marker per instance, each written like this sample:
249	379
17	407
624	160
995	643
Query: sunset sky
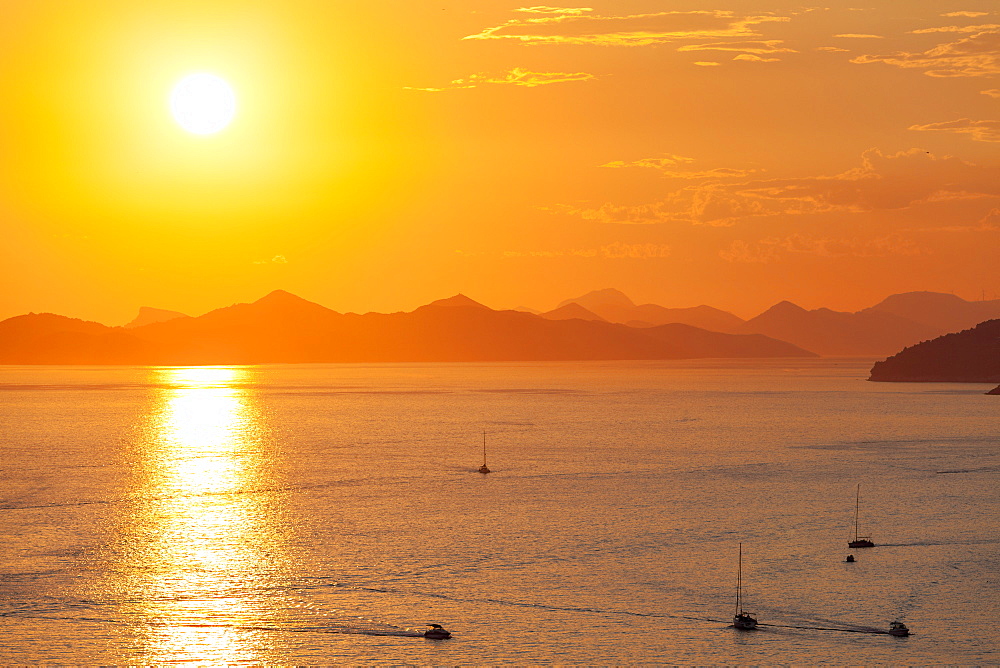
388	153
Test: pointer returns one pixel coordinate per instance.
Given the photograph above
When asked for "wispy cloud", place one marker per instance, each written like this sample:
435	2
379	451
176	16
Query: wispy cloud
856	35
706	63
831	48
881	182
991	221
667	160
515	77
667	166
616	250
752	58
992	92
773	249
760	46
579	27
277	259
966	29
974	56
559	11
970	15
988	131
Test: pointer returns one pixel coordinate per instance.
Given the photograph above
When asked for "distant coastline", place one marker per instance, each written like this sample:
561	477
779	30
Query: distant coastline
969	356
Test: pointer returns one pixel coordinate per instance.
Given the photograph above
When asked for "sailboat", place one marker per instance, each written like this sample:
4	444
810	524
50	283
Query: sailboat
742	620
859	541
484	468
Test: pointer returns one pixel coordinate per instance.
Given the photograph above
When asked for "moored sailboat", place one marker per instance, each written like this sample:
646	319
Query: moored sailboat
859	541
484	468
742	620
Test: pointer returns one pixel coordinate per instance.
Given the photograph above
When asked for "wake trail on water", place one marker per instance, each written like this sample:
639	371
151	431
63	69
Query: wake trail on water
846	628
377	628
862	629
396	632
390	631
932	543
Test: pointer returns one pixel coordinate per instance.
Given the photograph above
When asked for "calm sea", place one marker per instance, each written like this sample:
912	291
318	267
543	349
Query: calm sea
323	514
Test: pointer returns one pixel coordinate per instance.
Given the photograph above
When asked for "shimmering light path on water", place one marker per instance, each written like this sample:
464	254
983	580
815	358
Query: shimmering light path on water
298	514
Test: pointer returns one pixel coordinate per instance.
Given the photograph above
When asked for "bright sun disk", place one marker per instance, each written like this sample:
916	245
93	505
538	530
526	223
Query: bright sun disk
203	103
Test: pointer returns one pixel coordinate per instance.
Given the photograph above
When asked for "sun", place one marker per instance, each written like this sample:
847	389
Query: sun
203	103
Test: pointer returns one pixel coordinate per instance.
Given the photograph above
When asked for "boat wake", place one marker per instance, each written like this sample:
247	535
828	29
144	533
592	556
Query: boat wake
981	469
932	543
860	629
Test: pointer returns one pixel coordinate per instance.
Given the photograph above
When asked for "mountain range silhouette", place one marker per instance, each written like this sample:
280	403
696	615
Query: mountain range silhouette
602	325
281	327
896	322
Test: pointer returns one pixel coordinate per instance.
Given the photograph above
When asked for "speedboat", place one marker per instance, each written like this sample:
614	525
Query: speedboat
898	628
436	632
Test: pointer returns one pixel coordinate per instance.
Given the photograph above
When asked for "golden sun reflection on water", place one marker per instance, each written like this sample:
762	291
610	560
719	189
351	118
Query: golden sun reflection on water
210	539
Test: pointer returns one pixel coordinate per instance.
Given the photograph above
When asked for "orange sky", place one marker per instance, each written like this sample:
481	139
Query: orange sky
385	154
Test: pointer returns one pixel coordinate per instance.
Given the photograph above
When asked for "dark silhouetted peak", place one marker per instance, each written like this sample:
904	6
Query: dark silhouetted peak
281	300
920	300
595	299
940	310
785	308
458	301
49	322
281	297
148	315
570	311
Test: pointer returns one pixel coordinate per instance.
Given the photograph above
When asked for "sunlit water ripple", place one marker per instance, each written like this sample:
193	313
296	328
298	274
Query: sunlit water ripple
324	514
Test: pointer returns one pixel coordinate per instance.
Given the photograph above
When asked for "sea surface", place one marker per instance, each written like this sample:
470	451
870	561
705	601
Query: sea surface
316	514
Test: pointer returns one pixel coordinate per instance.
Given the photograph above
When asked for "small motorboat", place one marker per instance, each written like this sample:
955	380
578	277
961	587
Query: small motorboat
899	629
436	632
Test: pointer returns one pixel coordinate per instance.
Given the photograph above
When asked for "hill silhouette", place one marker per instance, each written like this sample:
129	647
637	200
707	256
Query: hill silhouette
570	311
148	315
828	332
614	306
282	327
46	338
596	299
941	311
969	356
897	321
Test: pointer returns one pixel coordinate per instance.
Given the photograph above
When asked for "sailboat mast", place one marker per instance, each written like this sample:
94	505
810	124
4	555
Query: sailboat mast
484	447
857	507
739	582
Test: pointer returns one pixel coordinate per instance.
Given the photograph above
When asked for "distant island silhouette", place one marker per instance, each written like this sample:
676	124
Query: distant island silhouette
969	356
283	328
896	322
